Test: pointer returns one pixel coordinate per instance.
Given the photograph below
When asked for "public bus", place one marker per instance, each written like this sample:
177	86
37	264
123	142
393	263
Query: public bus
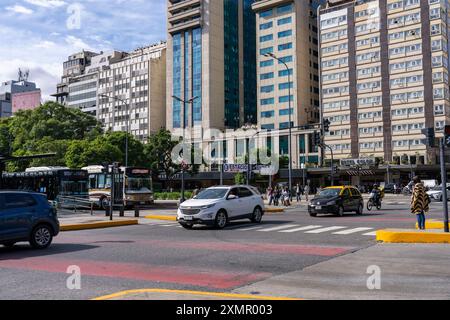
55	182
133	186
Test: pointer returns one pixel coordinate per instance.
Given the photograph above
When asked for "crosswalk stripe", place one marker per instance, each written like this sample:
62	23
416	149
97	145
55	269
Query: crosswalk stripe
374	233
350	231
301	229
288	226
325	229
250	229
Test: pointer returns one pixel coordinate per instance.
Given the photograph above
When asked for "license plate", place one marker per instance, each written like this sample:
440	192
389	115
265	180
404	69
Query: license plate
188	218
318	208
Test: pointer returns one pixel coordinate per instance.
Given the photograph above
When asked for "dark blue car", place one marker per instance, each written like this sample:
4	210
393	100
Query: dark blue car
26	216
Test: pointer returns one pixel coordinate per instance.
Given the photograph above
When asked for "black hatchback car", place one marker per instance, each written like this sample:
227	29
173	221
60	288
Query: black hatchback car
337	200
26	216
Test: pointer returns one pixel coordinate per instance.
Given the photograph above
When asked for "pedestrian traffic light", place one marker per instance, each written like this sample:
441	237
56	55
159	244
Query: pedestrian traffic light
430	137
326	125
447	136
317	138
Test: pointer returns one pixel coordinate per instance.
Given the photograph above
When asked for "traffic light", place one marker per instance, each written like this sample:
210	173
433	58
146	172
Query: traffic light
430	137
317	138
447	136
326	125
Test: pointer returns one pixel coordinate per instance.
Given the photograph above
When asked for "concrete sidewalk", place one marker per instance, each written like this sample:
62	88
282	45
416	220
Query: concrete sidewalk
408	271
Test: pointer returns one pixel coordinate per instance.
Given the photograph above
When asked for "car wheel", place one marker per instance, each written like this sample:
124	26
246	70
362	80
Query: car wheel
257	215
187	226
360	209
221	220
340	211
41	237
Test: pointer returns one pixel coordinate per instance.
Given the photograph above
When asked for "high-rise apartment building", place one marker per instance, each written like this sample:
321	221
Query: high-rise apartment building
132	92
384	70
211	57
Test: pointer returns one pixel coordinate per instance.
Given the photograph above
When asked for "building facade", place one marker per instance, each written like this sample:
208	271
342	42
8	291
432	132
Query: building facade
132	92
288	82
384	72
18	95
211	57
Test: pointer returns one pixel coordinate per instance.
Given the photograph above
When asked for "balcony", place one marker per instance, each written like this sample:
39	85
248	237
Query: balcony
184	15
266	4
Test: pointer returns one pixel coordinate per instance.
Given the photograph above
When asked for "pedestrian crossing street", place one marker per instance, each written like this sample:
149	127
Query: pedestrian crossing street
287	228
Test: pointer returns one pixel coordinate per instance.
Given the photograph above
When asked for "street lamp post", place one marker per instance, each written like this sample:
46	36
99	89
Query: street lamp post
128	123
273	56
184	102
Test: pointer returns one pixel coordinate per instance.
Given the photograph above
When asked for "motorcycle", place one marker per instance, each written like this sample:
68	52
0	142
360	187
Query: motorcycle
373	202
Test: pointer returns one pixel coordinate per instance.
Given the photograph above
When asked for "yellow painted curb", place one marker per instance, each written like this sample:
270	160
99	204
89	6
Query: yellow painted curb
412	236
198	293
161	217
98	225
274	211
433	224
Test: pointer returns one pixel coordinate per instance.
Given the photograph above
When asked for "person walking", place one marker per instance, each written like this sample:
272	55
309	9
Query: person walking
270	195
420	202
298	192
307	190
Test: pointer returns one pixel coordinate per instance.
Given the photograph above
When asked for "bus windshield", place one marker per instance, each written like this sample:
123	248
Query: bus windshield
135	184
74	188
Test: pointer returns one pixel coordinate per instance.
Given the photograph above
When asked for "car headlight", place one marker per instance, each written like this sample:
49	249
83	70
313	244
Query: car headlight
331	203
207	207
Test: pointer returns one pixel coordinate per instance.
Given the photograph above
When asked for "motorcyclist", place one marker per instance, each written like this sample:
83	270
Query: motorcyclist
377	194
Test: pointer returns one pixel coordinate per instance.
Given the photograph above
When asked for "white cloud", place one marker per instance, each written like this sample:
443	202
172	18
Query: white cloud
47	3
19	9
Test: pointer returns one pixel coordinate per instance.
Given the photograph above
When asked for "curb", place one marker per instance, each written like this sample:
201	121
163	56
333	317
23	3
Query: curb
412	236
433	224
126	293
161	217
274	210
98	225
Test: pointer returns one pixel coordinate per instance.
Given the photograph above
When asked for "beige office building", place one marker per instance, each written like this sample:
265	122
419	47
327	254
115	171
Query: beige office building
135	88
384	72
288	30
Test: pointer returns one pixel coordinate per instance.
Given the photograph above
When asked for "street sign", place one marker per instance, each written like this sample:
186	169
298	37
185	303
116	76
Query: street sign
235	168
358	162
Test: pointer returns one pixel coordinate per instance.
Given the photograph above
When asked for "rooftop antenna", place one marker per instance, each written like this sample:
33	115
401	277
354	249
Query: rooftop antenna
23	76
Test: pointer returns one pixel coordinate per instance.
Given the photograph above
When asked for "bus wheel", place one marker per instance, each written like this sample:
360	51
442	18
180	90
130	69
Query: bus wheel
104	203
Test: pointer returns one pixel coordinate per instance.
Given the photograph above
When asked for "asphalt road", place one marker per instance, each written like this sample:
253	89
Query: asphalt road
163	255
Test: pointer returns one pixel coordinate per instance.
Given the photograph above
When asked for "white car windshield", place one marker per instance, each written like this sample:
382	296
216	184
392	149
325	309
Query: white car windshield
210	194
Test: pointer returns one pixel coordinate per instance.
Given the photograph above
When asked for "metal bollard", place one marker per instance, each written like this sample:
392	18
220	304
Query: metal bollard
122	211
136	212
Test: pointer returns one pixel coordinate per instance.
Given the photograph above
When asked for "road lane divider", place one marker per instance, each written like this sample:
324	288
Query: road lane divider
412	236
129	294
98	225
162	217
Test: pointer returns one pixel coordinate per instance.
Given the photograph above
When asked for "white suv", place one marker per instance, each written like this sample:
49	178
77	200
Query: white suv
217	206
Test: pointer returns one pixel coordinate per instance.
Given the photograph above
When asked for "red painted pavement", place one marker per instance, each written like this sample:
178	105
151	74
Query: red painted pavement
218	279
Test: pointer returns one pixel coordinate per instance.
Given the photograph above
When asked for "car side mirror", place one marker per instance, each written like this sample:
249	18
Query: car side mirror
232	197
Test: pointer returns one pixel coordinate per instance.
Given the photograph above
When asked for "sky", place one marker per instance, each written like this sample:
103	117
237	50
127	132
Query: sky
39	35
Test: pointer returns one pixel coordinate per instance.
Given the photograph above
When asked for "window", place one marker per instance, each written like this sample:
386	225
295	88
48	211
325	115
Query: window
267	89
266	50
285	46
285	99
285	9
245	193
265	76
266	38
265	102
267	13
268	114
266	63
284	73
266	26
13	201
284	34
284	21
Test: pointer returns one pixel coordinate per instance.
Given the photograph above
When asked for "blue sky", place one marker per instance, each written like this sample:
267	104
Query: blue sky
39	35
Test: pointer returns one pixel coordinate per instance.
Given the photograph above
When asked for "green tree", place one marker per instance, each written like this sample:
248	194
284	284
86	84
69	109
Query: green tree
136	155
158	153
239	178
83	153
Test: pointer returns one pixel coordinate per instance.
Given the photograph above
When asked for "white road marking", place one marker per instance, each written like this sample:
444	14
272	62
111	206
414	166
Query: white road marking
325	230
250	229
350	231
370	234
301	229
287	226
